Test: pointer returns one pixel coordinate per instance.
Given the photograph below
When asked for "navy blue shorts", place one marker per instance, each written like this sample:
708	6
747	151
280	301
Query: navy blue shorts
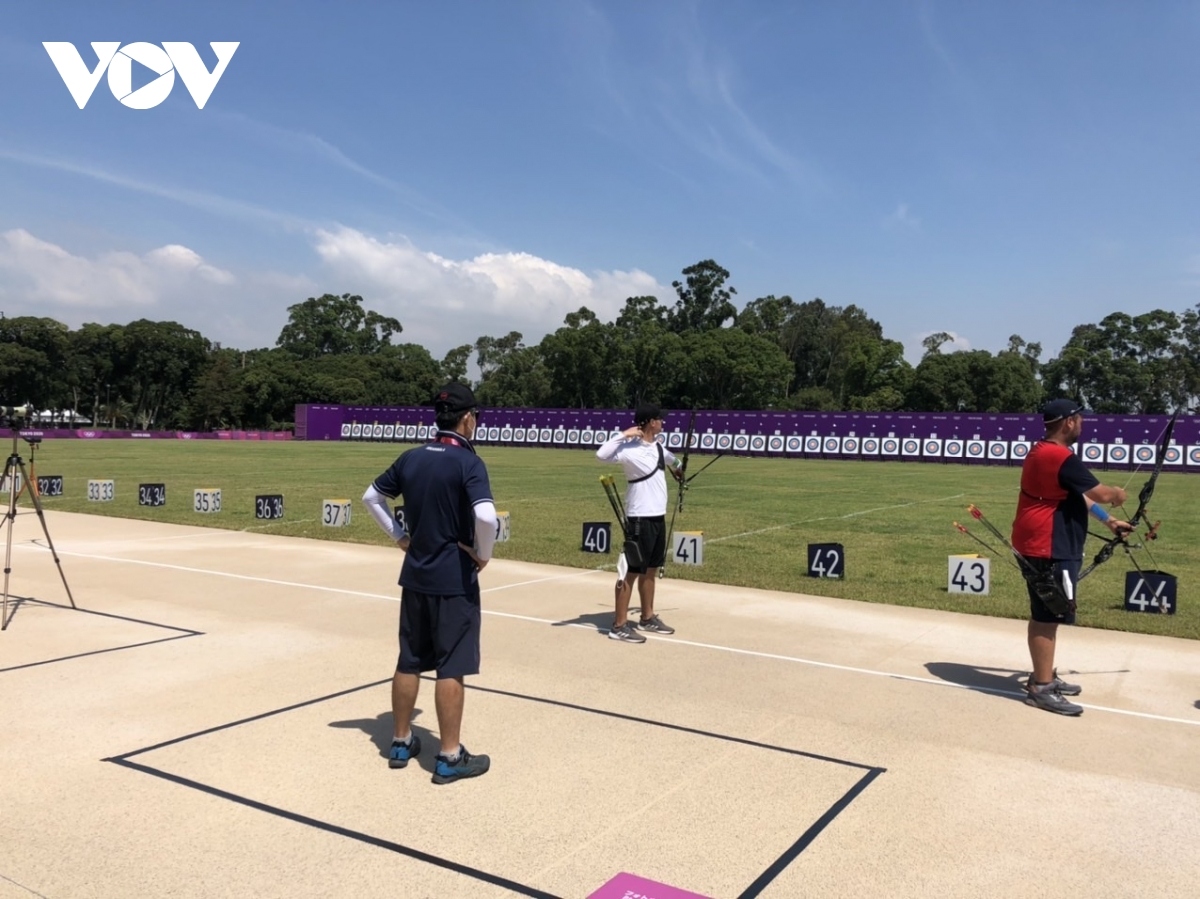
439	633
1038	610
651	536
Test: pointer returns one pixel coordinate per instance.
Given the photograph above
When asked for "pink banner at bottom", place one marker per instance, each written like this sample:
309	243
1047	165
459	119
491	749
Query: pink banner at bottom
630	886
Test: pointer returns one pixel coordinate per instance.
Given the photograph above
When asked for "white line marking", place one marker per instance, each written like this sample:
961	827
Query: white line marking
267	580
792	524
710	646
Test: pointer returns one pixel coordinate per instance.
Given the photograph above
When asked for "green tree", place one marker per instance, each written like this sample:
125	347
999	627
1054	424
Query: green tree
333	325
704	301
580	361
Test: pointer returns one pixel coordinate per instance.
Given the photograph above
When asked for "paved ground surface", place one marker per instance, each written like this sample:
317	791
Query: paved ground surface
212	722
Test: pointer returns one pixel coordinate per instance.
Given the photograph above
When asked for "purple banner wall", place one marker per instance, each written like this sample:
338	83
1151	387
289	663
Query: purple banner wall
1115	441
97	434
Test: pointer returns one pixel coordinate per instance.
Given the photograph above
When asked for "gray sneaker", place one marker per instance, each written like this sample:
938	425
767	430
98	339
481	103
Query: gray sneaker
1059	685
655	626
625	633
1044	696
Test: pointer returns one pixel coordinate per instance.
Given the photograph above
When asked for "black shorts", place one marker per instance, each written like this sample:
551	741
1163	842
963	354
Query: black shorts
651	536
1038	610
439	633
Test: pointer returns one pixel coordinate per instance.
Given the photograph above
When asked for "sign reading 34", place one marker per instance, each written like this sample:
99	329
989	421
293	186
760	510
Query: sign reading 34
117	60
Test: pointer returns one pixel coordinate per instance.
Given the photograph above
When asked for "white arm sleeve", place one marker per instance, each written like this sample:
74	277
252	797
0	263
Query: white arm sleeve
608	451
377	505
485	529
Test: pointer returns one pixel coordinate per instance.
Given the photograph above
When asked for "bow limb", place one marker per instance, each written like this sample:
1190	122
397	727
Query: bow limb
681	484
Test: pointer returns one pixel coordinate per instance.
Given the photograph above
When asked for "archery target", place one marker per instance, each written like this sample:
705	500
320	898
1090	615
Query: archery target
519	435
850	445
1118	453
812	444
346	431
1019	449
660	438
775	444
831	445
1193	455
545	435
560	436
389	432
794	444
586	436
356	430
377	432
997	449
708	441
410	432
910	446
675	440
1173	455
1144	453
1092	452
933	447
724	442
573	436
952	449
758	443
506	434
741	442
975	449
889	446
870	446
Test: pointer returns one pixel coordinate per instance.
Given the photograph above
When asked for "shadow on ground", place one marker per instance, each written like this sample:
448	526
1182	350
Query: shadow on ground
380	730
997	681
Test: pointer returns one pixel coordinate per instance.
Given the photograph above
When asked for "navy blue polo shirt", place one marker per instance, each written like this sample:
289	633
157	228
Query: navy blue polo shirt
441	482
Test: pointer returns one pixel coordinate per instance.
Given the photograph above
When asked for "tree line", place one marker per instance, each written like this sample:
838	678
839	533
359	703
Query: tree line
699	352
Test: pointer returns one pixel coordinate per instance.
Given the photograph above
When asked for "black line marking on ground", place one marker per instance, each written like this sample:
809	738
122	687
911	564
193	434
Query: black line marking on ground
756	887
326	826
777	867
182	634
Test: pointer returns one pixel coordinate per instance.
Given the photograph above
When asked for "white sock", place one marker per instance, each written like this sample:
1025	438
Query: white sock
402	740
452	756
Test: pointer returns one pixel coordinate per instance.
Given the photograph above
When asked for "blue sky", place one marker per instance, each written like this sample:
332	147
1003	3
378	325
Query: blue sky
474	168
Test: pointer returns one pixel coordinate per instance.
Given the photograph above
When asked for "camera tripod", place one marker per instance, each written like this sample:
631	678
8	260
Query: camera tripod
14	467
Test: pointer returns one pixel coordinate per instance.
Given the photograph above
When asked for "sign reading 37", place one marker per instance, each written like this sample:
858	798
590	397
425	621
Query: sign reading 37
171	57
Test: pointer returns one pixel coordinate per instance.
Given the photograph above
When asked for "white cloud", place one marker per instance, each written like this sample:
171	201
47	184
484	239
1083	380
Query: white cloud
446	302
44	273
170	283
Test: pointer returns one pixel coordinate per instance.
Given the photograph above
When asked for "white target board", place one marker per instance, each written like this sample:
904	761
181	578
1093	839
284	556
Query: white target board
335	513
687	548
970	575
206	500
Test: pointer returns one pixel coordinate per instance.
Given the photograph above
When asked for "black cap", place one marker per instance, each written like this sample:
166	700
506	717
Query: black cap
453	398
645	412
1058	409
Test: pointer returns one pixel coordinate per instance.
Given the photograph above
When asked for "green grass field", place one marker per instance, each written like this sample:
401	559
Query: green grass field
757	515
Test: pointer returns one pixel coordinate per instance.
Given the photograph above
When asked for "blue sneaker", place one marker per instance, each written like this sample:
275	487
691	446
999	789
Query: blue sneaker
466	765
401	753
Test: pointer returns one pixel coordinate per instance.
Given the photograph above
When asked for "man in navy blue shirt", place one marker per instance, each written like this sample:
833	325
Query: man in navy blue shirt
451	529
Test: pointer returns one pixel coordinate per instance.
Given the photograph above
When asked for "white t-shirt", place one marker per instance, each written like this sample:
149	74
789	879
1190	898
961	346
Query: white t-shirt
648	498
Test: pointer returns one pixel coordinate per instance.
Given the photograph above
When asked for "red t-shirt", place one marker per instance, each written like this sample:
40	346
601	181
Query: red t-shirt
1051	520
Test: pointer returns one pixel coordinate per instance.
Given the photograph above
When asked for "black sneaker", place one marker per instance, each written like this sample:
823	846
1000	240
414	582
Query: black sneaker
655	626
1044	696
625	633
401	752
446	771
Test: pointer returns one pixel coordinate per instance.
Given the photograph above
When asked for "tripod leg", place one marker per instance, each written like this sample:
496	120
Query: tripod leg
9	517
37	505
